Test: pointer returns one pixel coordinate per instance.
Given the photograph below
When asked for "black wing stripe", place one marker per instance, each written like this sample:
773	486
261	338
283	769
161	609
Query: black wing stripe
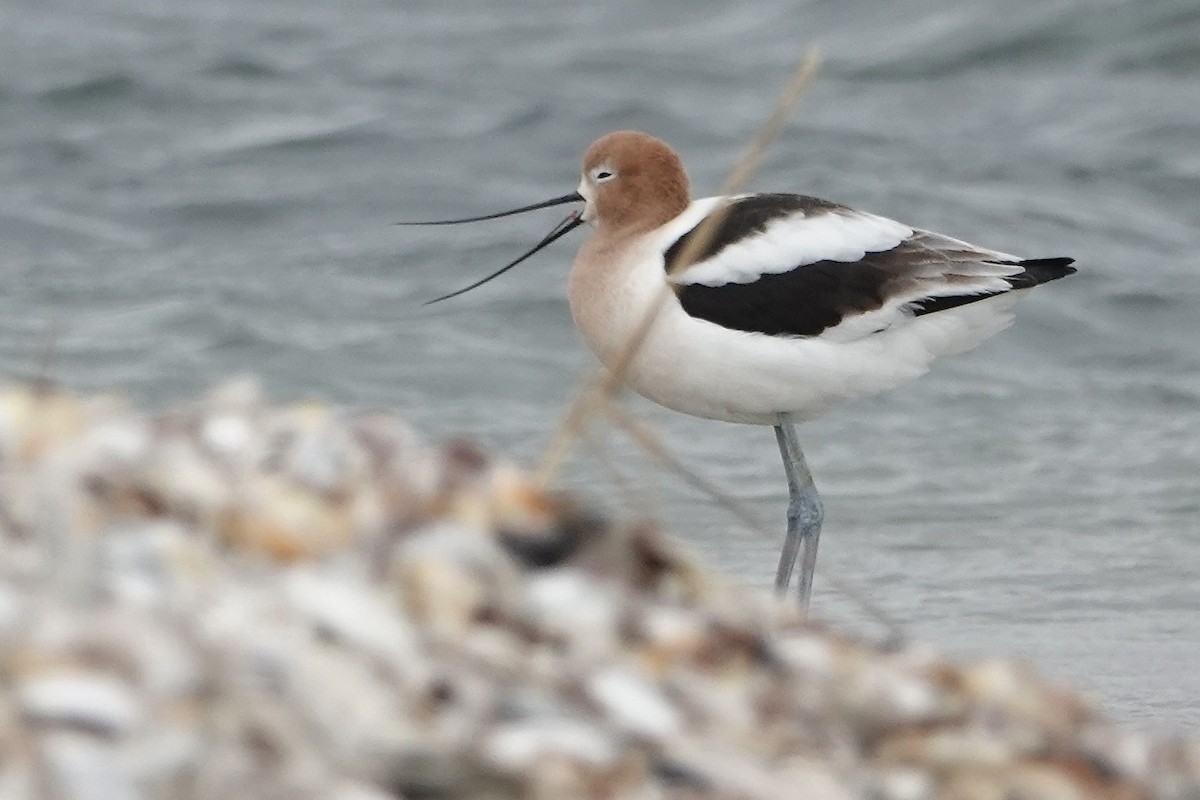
802	302
815	297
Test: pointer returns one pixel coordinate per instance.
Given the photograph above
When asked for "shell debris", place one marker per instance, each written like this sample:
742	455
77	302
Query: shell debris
238	599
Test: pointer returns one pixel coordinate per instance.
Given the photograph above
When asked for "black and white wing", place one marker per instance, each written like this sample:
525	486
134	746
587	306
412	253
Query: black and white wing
790	265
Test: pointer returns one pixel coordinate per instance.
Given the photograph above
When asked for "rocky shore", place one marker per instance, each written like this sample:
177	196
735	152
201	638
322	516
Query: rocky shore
239	600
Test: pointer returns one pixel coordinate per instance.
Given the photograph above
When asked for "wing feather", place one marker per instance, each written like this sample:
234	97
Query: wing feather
791	265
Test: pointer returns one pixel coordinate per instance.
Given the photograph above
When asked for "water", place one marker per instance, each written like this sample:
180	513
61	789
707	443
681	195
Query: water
196	189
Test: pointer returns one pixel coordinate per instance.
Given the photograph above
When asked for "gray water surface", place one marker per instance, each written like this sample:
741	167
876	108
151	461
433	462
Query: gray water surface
193	189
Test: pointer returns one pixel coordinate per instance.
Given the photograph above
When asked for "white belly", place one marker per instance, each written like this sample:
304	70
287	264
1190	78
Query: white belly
705	370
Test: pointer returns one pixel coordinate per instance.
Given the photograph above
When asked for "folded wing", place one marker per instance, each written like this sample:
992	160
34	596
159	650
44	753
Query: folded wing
790	265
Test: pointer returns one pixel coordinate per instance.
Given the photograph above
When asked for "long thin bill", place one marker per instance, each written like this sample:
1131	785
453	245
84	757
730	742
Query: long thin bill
569	224
573	197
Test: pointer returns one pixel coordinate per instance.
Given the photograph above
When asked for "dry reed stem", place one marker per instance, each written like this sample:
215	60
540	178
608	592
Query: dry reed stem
634	496
653	445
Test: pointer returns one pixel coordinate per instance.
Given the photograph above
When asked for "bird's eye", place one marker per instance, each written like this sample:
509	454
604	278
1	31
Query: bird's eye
602	174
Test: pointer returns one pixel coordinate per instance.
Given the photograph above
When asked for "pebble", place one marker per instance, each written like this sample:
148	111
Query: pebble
234	599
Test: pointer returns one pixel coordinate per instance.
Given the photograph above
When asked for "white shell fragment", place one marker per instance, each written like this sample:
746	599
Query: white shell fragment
516	747
94	702
633	704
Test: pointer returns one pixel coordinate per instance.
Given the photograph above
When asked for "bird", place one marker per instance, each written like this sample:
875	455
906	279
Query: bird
782	307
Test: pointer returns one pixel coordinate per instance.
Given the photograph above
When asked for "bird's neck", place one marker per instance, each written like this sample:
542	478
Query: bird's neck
611	288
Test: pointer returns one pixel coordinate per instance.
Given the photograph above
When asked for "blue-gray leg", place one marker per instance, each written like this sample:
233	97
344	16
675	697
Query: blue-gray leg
804	515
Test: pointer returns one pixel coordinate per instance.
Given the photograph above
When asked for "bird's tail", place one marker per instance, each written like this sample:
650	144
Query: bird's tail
1039	270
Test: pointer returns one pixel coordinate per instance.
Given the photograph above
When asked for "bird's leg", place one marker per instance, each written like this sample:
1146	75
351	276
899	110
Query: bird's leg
804	514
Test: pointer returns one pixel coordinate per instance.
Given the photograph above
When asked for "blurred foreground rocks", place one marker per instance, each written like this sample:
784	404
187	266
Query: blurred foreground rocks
239	600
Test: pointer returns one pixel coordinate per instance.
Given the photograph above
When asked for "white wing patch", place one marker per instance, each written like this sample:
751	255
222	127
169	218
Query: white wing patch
796	241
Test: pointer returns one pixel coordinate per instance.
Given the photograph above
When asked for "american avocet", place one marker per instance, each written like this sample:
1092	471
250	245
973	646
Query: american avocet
792	305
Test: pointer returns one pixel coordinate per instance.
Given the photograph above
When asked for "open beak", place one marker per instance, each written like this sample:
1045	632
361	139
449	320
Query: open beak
570	223
573	197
